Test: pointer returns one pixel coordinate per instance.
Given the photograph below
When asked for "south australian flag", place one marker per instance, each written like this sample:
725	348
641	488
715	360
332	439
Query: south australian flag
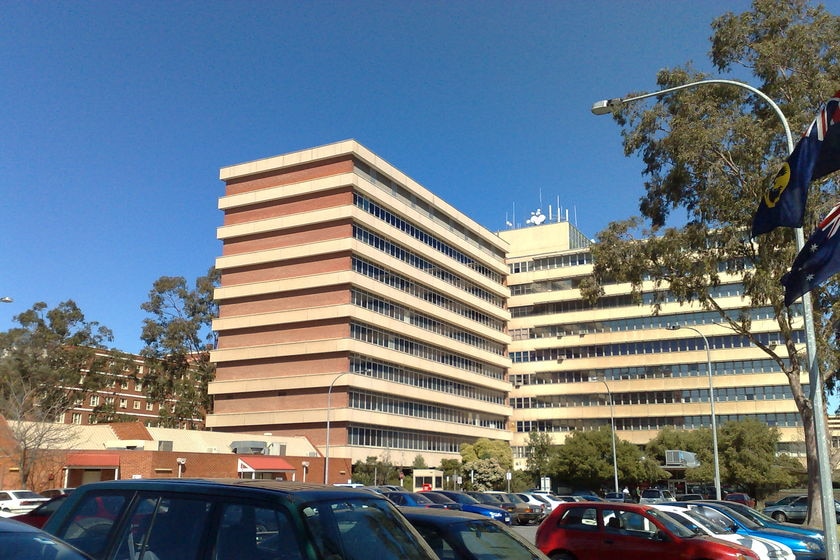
816	155
818	260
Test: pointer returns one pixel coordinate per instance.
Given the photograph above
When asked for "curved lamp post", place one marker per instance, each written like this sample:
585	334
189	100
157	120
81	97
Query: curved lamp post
711	401
606	106
327	444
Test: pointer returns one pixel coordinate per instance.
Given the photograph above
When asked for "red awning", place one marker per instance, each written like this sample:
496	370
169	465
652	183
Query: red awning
261	463
92	460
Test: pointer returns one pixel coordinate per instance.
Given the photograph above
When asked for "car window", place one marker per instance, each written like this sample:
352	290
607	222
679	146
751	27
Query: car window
360	529
248	531
579	518
91	522
164	528
650	493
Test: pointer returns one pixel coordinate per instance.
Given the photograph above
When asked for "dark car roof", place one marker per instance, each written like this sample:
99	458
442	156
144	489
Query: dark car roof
294	491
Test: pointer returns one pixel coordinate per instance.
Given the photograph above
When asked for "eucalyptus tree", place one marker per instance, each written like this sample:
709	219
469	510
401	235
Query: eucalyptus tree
709	153
178	340
51	361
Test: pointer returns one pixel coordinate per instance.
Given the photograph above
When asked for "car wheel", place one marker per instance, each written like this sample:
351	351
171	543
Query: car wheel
779	516
561	556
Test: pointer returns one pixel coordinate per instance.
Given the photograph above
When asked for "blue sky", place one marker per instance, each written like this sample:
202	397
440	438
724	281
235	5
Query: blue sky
116	117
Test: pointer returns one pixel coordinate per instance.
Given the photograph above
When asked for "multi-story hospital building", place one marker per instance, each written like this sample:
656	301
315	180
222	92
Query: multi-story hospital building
362	311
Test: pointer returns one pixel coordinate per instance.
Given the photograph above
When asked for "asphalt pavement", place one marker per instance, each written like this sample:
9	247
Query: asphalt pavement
527	531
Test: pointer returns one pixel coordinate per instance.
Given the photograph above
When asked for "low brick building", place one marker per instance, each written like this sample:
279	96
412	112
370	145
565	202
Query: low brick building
132	450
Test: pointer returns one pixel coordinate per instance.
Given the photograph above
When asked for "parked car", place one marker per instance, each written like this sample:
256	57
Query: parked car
535	500
53	492
596	530
232	519
411	499
768	522
471	505
442	500
19	541
741	498
804	547
655	496
14	502
521	511
765	548
38	516
689	497
459	535
794	509
619	497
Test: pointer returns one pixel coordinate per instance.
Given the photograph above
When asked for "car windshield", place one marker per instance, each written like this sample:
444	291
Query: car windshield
747	515
650	493
474	540
25	495
676	528
463	499
729	513
716	526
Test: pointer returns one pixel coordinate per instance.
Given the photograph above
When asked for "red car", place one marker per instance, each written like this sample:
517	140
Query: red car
741	498
38	516
597	530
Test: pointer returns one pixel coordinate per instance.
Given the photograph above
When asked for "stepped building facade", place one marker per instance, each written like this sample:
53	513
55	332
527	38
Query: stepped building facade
360	310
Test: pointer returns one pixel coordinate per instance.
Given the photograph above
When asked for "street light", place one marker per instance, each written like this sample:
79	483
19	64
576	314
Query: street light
612	431
606	106
327	444
6	299
711	401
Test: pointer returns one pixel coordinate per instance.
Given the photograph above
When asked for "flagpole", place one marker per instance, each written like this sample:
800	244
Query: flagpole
814	378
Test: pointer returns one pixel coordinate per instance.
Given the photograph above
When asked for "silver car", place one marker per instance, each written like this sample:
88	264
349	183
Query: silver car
656	496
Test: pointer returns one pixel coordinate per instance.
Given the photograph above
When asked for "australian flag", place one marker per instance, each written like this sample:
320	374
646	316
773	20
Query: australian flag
816	155
818	260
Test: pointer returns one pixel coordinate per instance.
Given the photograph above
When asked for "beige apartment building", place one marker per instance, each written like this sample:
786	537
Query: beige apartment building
360	310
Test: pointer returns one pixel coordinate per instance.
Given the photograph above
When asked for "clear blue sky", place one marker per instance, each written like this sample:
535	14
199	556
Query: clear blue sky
116	117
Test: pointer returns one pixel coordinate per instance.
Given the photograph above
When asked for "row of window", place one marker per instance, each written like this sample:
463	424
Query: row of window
135	404
549	263
631	324
397	311
366	436
420	291
411	347
392	405
780	420
609	302
410	198
731	367
646	347
398	252
424	237
400	374
724	394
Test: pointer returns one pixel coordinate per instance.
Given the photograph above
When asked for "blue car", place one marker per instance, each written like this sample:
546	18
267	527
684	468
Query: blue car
804	547
470	504
766	521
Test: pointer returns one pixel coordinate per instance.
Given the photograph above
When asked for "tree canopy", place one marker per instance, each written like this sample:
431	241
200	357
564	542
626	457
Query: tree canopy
708	155
52	360
178	341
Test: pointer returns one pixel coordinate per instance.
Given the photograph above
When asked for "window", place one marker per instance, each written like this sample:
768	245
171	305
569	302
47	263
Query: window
123	403
135	405
149	406
94	400
76	418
